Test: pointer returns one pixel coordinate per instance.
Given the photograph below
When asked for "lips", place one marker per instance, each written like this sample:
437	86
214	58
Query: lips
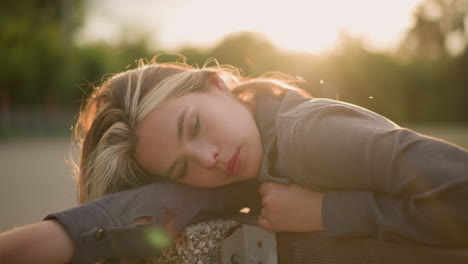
234	164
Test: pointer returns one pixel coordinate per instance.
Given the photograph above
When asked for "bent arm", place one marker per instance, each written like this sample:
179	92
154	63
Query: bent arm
349	148
44	242
104	230
382	180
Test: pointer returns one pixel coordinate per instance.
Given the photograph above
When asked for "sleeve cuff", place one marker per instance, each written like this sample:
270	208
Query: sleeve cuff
86	224
82	219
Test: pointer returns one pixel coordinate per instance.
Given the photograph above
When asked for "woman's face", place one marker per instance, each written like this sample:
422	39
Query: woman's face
206	139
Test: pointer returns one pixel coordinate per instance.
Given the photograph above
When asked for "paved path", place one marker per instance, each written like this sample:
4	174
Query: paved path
34	180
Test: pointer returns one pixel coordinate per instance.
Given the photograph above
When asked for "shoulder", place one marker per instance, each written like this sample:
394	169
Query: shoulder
301	110
314	124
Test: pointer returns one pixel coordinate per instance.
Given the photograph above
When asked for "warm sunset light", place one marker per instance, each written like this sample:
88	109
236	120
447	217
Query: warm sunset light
310	26
135	131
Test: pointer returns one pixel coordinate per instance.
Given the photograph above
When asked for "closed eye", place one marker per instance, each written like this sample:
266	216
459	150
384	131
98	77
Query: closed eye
183	172
196	127
194	133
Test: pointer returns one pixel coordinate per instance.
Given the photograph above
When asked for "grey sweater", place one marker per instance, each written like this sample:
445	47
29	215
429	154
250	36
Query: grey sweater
380	181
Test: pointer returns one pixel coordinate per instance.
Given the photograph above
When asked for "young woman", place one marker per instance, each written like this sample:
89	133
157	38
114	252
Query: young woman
324	165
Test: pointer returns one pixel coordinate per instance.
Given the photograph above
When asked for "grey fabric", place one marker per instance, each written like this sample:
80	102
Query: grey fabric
101	229
381	180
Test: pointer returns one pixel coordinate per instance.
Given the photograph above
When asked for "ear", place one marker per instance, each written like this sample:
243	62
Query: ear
217	82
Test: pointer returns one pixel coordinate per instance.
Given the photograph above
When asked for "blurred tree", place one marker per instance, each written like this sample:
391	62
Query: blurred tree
374	80
249	51
36	47
195	56
439	30
98	61
42	64
434	50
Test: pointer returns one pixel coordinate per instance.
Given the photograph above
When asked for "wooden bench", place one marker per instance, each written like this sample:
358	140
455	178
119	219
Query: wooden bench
200	243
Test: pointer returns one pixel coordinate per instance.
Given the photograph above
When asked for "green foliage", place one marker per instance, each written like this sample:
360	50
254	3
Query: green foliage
35	45
42	65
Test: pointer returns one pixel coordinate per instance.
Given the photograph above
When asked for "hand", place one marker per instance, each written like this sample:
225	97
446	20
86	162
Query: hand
290	208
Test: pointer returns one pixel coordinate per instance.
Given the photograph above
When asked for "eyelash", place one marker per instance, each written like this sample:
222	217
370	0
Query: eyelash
184	171
195	131
196	127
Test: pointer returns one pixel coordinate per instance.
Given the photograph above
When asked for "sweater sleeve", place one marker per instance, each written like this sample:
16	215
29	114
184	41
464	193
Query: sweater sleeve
102	229
381	180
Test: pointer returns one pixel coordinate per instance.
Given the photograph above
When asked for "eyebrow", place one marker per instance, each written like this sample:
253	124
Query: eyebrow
180	134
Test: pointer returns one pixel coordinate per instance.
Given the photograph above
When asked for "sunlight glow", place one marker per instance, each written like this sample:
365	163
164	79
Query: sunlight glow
245	210
301	25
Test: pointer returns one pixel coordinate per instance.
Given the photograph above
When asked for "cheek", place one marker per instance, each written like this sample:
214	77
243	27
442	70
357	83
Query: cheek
198	177
233	121
202	182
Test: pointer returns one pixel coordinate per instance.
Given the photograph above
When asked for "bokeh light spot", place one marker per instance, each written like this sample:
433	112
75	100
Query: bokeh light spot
159	238
245	210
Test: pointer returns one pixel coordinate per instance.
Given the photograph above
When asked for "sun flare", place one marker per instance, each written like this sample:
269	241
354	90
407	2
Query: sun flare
311	26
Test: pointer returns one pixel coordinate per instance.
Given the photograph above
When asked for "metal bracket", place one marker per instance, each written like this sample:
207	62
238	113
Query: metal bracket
249	244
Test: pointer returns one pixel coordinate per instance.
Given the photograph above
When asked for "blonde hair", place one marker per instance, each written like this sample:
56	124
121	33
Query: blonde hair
105	130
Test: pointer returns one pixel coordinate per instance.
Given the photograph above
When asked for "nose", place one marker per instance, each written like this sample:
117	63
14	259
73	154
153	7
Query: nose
204	154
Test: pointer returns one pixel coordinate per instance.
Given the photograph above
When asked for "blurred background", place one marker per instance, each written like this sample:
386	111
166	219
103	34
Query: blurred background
404	59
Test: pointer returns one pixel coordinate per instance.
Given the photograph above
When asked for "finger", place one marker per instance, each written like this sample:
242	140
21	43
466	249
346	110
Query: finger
266	187
266	200
263	213
263	189
268	215
264	223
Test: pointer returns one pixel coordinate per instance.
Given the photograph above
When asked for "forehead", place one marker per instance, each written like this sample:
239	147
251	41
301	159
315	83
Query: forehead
157	139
